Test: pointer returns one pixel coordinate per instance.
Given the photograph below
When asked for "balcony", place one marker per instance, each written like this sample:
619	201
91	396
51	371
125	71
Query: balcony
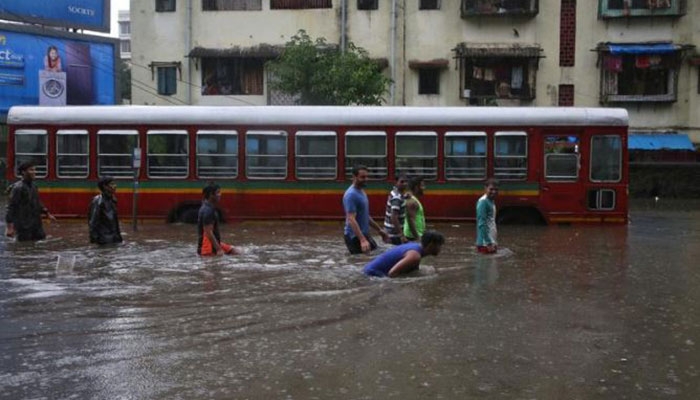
641	8
477	8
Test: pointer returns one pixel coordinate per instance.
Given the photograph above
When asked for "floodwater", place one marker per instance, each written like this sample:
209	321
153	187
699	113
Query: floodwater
564	312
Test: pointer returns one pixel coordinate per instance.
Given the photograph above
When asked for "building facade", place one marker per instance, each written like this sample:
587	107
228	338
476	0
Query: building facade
636	54
124	34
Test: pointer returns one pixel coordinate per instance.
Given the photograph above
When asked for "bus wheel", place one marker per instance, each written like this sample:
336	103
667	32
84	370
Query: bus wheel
520	216
184	214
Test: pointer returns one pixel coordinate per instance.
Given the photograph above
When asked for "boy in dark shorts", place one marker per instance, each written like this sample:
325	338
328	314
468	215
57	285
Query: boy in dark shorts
210	243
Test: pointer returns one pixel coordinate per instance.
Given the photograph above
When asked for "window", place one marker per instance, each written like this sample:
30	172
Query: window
367	4
231	5
165	5
167	154
31	145
416	154
316	155
641	8
498	78
465	155
124	27
125	46
493	72
606	158
510	161
639	77
72	154
561	156
299	4
115	149
499	7
227	76
429	4
429	81
167	81
217	154
266	154
366	148
601	199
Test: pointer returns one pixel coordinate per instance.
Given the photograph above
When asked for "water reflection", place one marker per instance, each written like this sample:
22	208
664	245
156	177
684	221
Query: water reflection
561	312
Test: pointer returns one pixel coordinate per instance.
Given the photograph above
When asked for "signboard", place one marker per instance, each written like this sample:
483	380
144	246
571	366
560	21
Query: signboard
137	157
51	70
85	14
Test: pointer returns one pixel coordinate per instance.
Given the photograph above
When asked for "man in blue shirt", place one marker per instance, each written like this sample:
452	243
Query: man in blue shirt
486	219
357	219
406	257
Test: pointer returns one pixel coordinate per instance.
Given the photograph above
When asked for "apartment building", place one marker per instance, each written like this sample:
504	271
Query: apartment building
636	54
124	34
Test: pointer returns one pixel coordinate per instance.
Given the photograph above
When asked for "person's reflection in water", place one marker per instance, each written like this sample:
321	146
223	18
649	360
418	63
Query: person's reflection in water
485	272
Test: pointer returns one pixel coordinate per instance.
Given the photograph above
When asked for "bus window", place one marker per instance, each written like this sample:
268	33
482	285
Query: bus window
167	154
266	154
115	150
416	154
465	155
217	154
510	161
72	153
366	148
606	158
561	156
31	145
316	155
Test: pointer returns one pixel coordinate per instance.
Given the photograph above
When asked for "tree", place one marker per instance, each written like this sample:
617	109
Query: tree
320	74
124	80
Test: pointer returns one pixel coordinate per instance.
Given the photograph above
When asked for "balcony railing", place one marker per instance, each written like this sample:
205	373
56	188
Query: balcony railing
473	8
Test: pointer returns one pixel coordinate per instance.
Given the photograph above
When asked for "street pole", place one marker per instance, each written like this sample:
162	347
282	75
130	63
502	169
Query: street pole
136	160
136	201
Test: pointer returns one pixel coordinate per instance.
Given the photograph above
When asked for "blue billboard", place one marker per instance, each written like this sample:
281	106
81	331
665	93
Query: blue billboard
47	70
85	14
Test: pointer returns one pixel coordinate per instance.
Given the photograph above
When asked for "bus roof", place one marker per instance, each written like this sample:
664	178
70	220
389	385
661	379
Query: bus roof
318	115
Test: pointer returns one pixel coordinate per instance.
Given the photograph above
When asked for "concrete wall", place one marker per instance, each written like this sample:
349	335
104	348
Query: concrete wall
422	35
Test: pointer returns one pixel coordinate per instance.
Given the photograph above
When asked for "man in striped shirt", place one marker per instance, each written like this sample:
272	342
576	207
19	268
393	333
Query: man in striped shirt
396	211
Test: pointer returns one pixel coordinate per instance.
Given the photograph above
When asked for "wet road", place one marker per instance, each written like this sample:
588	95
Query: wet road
598	312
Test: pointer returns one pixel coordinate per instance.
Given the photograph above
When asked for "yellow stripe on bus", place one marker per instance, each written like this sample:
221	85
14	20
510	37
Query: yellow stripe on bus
286	191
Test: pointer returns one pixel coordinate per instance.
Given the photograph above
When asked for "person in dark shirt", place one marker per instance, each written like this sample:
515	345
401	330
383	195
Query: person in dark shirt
24	209
103	220
209	243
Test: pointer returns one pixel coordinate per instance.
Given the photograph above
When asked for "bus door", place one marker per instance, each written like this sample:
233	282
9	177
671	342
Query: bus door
561	175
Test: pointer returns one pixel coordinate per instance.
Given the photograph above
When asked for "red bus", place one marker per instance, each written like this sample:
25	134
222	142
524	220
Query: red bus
556	165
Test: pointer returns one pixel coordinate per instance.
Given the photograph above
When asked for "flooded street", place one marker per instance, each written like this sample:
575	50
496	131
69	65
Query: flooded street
583	312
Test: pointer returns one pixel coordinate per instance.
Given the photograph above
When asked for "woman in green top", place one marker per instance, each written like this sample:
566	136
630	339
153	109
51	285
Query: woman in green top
414	224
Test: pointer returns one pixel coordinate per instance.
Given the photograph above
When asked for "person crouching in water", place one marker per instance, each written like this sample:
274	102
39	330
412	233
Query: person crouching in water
406	257
103	219
486	219
209	243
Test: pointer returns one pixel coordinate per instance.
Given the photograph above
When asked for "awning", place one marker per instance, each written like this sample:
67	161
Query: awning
639	48
476	50
436	63
260	51
660	142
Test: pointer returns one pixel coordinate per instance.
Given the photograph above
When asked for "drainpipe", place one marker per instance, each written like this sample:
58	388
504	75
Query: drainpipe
188	48
343	24
392	57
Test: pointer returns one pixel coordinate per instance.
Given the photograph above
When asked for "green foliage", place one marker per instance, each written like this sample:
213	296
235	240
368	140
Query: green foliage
320	74
124	80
